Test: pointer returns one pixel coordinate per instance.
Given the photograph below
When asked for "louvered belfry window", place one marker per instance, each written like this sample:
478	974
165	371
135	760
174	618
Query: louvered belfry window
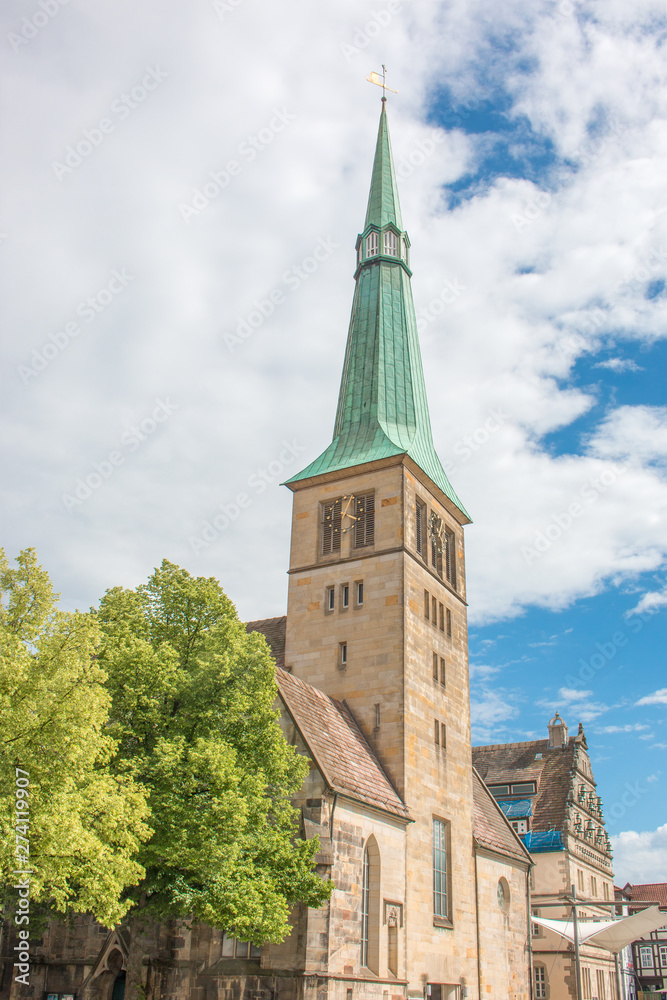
420	527
364	525
450	557
391	244
372	245
331	525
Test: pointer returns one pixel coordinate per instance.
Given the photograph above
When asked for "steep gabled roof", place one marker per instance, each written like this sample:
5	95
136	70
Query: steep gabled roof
273	630
338	746
491	829
551	769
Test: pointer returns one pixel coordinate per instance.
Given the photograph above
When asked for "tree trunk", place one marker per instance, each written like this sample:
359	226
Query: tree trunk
139	928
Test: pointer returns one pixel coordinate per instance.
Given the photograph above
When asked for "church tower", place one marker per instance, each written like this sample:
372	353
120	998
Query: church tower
377	602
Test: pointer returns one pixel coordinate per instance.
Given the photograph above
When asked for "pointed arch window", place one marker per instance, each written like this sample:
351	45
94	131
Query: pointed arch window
370	907
372	245
391	244
365	906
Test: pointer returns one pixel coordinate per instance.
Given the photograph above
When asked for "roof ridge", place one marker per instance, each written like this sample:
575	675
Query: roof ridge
507	746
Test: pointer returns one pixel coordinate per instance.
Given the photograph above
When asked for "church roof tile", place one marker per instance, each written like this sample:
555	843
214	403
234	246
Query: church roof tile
338	746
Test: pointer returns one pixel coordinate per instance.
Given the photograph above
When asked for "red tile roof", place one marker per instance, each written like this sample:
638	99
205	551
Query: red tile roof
491	829
338	746
273	630
647	892
551	769
347	761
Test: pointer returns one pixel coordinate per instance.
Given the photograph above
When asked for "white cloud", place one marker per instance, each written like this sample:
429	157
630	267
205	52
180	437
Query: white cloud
571	694
506	344
649	603
657	698
489	709
640	857
632	432
619	365
629	728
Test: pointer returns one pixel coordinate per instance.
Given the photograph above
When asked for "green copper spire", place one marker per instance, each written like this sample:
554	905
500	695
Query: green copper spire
383	206
382	406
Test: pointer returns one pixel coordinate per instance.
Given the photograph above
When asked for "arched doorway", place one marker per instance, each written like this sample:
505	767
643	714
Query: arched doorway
118	992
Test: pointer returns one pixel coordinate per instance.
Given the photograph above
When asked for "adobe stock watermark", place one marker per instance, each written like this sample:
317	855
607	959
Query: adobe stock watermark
121	107
632	794
593	320
258	482
292	279
32	25
370	29
22	857
449	293
560	523
606	651
564	10
418	156
247	151
469	444
591	149
88	309
131	440
224	7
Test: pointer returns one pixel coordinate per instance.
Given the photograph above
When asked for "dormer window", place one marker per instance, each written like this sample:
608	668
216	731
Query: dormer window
372	245
391	244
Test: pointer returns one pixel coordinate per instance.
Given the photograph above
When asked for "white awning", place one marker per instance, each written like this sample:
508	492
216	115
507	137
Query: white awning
613	935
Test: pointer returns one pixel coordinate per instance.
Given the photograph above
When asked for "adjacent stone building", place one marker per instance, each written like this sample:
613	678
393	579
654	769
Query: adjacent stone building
431	881
547	790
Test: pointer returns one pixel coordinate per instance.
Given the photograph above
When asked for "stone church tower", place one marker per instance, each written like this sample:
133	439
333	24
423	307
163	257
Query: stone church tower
377	606
430	896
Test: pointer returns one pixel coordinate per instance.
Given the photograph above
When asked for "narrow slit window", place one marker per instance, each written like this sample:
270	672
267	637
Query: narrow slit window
427	605
360	592
331	598
434	612
364	527
435	666
443	736
377	715
342	654
331	526
372	245
449	623
345	595
436	732
443	671
441	617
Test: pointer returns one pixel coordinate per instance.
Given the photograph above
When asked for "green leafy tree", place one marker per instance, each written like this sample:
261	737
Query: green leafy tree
193	713
85	821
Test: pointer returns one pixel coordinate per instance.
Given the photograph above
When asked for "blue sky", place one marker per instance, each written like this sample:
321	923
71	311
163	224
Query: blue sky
530	140
597	659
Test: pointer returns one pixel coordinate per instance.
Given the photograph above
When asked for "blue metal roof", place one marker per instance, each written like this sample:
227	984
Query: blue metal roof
539	842
517	808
